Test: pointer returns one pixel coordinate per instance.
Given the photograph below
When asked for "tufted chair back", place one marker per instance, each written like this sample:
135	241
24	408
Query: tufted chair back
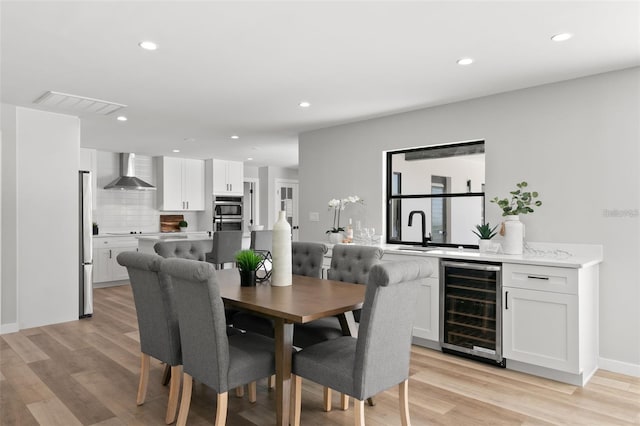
187	249
306	258
352	263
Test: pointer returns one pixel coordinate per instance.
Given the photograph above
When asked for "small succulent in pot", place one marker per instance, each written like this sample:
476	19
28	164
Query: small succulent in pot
485	231
183	225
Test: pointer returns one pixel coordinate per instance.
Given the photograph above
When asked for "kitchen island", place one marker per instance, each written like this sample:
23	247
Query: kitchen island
146	242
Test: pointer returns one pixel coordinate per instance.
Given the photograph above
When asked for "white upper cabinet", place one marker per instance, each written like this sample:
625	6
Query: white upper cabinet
228	177
181	184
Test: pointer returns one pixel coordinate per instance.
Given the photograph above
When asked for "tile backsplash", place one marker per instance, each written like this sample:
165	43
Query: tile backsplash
125	211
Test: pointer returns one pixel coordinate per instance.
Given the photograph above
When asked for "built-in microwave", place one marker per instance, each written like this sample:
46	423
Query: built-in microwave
228	207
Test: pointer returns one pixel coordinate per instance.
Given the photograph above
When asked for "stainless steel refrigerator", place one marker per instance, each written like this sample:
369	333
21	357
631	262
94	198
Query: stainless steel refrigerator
86	245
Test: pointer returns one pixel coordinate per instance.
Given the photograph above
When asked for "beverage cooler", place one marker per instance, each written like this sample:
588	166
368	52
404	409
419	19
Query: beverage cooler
471	310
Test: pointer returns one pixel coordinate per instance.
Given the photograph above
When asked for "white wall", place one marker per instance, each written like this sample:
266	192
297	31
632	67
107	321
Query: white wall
9	288
575	142
47	160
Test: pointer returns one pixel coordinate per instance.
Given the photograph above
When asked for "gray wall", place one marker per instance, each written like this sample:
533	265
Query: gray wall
575	142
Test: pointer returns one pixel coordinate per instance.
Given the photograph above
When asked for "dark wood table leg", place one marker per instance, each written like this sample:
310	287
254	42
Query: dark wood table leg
284	349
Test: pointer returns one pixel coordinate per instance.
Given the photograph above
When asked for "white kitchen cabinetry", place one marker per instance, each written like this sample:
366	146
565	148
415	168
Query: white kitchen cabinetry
228	177
426	322
181	184
550	319
105	251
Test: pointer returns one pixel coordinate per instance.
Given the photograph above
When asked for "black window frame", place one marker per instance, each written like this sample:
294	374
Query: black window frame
390	197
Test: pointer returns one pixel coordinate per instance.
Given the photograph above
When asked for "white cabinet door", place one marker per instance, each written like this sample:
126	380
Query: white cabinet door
101	260
220	185
193	184
228	177
426	322
116	271
541	328
182	184
172	184
235	177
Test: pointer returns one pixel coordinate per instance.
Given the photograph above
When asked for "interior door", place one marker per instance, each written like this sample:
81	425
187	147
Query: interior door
287	200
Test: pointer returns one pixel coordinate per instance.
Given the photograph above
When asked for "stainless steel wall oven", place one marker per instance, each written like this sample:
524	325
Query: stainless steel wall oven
471	310
227	213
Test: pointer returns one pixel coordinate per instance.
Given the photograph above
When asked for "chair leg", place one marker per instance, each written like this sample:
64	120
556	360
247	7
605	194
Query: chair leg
344	401
221	409
187	386
296	396
166	375
144	378
240	391
252	391
403	390
358	407
370	402
174	392
327	398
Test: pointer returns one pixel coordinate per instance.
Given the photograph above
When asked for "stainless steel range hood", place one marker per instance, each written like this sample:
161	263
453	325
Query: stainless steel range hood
127	180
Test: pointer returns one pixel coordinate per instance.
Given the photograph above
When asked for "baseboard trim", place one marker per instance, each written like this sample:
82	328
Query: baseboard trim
620	367
9	328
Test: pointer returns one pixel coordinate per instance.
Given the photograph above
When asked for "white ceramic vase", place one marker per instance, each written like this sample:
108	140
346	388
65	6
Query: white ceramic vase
335	237
513	235
281	252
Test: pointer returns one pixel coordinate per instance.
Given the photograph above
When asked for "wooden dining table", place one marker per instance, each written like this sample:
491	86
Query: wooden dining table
307	299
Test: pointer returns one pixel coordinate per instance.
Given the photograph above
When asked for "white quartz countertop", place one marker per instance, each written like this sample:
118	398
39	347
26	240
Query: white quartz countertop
543	254
157	236
177	236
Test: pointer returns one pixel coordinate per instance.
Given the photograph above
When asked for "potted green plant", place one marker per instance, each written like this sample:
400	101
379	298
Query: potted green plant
512	229
183	225
248	262
485	233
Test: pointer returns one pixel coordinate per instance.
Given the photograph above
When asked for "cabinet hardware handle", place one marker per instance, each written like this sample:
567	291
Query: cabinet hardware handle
506	300
533	277
109	253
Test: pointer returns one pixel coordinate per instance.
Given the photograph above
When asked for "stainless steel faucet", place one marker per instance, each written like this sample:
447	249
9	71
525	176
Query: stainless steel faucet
425	239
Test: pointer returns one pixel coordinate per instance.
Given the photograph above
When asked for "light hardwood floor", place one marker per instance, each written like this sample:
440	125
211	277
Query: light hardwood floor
86	373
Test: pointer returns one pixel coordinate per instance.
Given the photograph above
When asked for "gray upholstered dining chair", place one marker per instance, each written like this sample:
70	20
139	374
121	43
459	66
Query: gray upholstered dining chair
225	246
157	322
210	356
185	249
379	357
261	240
349	263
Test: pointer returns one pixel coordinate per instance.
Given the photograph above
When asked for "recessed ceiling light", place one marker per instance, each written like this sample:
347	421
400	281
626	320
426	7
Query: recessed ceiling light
121	118
304	104
562	37
465	61
250	159
148	45
176	150
235	137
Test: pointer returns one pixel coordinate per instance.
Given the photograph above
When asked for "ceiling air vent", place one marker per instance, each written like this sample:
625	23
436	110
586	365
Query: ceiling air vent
77	104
